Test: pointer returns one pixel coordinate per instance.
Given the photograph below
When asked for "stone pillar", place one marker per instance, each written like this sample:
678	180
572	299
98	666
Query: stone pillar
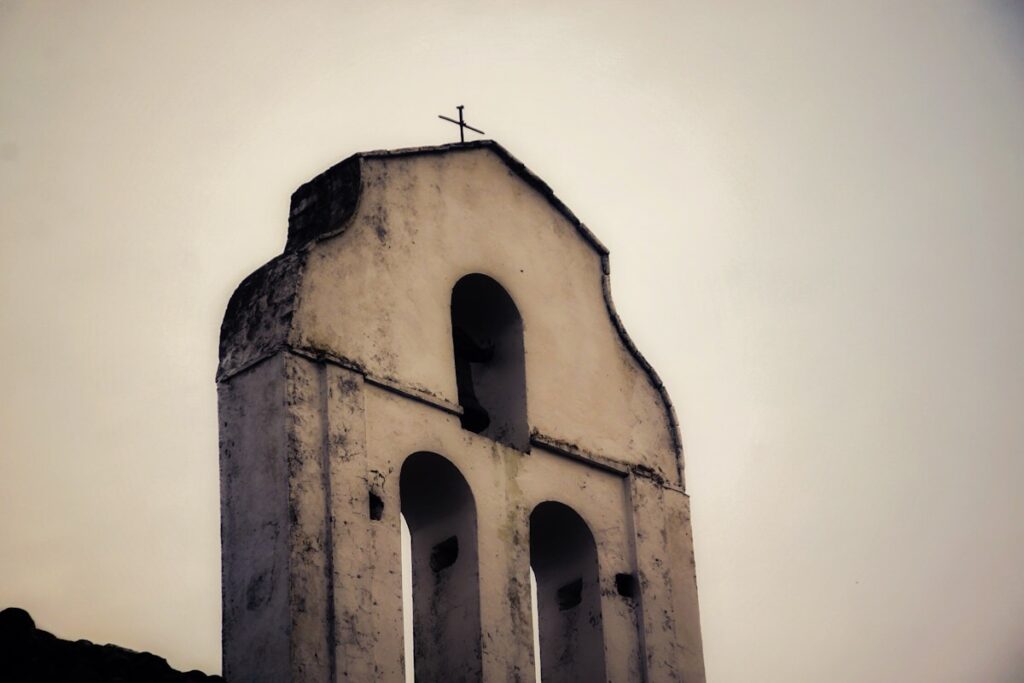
504	547
366	543
274	535
668	586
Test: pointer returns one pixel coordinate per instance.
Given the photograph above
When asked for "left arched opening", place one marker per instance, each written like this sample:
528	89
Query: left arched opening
440	512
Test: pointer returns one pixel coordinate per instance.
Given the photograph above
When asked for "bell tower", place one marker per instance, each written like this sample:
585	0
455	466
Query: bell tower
438	342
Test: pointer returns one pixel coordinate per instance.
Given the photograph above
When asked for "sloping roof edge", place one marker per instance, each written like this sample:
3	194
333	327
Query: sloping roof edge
532	179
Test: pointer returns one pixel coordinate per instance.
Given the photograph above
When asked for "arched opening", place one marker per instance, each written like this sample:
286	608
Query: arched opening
438	507
487	333
563	556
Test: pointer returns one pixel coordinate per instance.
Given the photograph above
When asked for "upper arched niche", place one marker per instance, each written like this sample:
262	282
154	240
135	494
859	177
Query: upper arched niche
490	373
375	246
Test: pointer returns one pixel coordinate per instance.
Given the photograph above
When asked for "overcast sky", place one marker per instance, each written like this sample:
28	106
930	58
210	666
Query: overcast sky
816	218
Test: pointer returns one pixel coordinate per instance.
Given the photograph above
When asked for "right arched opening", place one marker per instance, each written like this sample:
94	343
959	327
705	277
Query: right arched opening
490	371
563	556
440	512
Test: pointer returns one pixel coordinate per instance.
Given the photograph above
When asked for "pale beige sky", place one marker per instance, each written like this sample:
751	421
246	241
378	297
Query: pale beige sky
816	219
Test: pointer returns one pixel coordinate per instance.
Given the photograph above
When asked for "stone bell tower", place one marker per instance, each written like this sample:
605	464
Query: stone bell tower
437	342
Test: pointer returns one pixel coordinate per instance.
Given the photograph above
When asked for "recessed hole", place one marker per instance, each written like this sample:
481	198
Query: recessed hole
487	338
571	594
626	585
444	554
376	507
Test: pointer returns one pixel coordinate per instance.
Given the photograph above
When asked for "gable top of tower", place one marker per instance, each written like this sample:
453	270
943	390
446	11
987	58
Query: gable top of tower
321	207
375	246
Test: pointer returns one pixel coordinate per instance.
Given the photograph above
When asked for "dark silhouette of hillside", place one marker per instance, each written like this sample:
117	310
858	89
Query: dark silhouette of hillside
30	655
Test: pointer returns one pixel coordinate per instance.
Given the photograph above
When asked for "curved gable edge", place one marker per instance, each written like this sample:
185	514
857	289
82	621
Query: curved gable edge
322	207
652	374
606	287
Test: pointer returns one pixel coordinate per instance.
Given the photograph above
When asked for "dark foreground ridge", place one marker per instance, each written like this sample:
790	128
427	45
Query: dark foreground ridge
28	654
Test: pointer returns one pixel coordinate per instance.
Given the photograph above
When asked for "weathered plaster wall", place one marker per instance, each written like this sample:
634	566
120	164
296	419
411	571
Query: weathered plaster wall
254	528
507	485
379	294
367	578
664	552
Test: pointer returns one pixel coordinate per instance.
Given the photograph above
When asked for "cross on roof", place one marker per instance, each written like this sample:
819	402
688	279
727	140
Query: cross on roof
462	125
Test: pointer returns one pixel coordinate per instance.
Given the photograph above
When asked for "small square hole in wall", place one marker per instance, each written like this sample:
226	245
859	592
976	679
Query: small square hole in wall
376	507
625	584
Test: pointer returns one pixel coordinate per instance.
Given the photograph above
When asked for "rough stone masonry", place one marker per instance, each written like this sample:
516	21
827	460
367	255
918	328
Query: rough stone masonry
438	342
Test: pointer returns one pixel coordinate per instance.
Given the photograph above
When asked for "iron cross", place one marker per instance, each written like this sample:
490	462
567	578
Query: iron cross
462	125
